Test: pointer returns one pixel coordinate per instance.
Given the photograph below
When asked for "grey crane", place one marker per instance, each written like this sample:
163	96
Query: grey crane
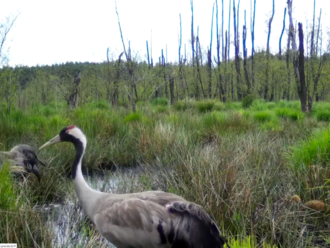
25	156
149	219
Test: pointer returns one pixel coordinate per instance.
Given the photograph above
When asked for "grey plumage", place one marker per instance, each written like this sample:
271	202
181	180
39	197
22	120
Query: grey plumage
150	219
25	156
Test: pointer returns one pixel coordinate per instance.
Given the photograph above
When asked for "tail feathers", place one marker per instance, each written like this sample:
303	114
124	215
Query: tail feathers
199	224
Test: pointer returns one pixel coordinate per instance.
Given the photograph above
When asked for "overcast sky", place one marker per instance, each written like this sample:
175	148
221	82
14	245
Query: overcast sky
49	32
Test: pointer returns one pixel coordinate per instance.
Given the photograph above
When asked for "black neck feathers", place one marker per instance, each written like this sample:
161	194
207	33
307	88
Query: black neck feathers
79	152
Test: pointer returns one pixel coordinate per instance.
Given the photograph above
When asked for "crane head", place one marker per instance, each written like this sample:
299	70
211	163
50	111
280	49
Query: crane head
70	133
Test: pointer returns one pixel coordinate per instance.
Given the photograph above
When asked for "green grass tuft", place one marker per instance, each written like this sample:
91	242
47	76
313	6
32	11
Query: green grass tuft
159	102
323	116
133	117
204	106
263	116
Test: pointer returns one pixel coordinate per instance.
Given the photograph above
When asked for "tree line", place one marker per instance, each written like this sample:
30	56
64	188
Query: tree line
301	71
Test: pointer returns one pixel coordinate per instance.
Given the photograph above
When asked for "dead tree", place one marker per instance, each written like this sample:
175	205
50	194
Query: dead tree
228	49
280	42
288	68
312	49
268	53
315	72
130	67
5	28
193	50
318	33
199	75
209	58
252	41
246	74
298	60
237	59
220	87
302	90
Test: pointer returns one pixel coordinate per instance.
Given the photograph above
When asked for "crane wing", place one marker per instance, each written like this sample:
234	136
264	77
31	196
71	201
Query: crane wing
138	222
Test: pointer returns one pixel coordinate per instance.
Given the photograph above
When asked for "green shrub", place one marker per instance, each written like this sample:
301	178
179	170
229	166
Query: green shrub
204	106
248	100
323	116
159	102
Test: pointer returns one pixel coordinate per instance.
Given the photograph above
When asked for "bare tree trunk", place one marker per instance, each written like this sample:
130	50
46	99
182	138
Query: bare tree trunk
312	35
246	74
288	68
237	59
172	89
252	41
318	33
302	89
221	88
193	50
209	58
267	51
280	43
129	64
316	74
197	62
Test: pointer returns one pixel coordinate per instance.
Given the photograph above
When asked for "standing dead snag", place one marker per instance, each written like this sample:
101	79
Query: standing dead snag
237	59
252	41
298	60
197	62
316	73
268	53
193	49
209	57
130	66
245	56
280	42
221	87
302	90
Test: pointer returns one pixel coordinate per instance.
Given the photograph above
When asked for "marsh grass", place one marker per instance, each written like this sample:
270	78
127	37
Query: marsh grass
241	164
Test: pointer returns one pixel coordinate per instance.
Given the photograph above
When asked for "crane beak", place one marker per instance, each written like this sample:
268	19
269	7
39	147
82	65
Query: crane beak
54	140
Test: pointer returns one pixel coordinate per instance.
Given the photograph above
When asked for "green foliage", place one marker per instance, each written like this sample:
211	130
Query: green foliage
159	102
182	105
314	151
133	117
7	195
263	116
246	243
291	114
323	116
204	106
248	100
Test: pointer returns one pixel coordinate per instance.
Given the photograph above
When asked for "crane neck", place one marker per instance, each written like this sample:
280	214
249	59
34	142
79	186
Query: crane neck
86	195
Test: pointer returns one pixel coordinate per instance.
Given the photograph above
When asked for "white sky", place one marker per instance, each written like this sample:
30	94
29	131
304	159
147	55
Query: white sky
50	32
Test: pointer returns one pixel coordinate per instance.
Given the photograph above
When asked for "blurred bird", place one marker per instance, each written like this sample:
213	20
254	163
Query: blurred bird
25	157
